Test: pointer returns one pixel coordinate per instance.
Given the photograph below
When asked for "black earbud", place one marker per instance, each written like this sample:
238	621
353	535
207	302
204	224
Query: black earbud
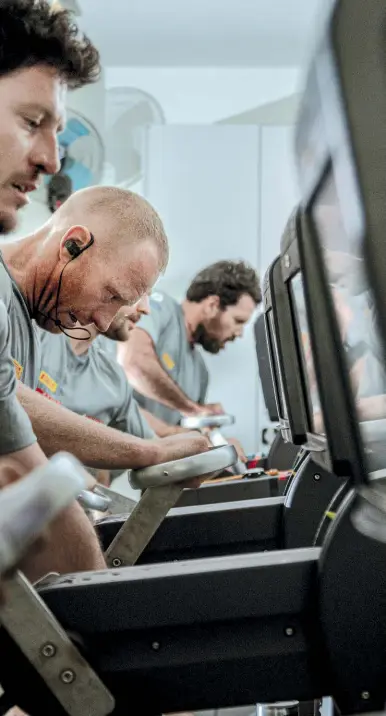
74	250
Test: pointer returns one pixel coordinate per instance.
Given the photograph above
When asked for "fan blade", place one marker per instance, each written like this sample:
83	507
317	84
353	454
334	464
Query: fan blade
73	131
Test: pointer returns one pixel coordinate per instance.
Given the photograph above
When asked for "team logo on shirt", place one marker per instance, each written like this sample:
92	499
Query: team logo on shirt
49	382
168	361
18	368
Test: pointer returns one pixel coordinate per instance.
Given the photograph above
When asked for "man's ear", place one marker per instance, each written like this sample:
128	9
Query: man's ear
76	236
211	306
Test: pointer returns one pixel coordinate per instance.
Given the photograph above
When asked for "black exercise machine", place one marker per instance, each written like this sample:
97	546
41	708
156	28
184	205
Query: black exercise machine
253	483
282	454
282	522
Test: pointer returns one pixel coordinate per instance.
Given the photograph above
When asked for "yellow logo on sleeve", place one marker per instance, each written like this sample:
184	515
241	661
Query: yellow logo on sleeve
168	361
48	381
18	368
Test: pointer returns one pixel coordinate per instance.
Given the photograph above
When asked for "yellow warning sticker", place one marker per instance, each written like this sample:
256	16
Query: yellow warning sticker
48	381
168	361
18	368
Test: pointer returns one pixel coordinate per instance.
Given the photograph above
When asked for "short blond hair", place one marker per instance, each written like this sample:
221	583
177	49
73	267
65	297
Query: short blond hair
114	215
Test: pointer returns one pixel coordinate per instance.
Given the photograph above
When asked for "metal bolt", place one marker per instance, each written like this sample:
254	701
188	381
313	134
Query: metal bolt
117	562
48	650
317	477
67	676
287	261
289	631
155	645
365	695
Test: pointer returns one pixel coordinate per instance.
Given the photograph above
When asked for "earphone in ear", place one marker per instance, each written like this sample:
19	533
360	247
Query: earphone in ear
73	249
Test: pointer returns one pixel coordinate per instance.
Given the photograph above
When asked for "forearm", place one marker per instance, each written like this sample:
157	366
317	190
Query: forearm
94	444
153	382
161	428
146	374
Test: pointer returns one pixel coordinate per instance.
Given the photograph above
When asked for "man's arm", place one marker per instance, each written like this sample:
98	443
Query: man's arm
19	451
97	445
162	429
146	374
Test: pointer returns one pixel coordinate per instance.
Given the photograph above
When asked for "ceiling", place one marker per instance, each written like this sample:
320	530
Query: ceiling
193	33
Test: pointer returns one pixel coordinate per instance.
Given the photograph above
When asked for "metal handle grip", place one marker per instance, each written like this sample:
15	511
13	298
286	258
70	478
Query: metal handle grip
198	422
187	468
92	501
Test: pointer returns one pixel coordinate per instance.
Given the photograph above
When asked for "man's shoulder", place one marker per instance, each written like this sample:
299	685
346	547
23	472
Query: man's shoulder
163	304
162	301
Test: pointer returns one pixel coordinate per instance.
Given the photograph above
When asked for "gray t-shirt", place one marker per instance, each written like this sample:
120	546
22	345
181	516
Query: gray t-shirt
92	384
18	359
24	340
107	345
182	361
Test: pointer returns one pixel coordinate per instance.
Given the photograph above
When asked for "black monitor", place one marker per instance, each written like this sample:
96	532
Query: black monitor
290	400
293	270
265	371
341	156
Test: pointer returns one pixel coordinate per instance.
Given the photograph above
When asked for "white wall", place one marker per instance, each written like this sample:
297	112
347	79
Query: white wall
279	190
278	196
203	95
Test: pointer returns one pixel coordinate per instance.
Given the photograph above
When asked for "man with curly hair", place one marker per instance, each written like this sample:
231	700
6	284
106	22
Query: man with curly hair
41	55
161	360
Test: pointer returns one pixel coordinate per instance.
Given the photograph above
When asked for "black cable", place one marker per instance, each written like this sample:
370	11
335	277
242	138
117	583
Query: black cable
56	321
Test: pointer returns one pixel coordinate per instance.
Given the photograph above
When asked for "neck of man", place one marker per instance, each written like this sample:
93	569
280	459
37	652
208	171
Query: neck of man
81	347
193	317
28	265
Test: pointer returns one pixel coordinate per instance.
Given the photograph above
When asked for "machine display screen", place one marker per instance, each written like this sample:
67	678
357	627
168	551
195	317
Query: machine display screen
282	408
346	275
305	352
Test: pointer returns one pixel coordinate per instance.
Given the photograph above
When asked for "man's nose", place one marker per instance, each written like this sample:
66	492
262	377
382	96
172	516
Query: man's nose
45	154
103	321
144	305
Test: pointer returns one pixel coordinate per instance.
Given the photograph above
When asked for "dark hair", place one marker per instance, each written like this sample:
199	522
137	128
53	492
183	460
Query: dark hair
31	33
228	280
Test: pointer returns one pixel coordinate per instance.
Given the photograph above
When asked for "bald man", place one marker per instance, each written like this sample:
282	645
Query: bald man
103	249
